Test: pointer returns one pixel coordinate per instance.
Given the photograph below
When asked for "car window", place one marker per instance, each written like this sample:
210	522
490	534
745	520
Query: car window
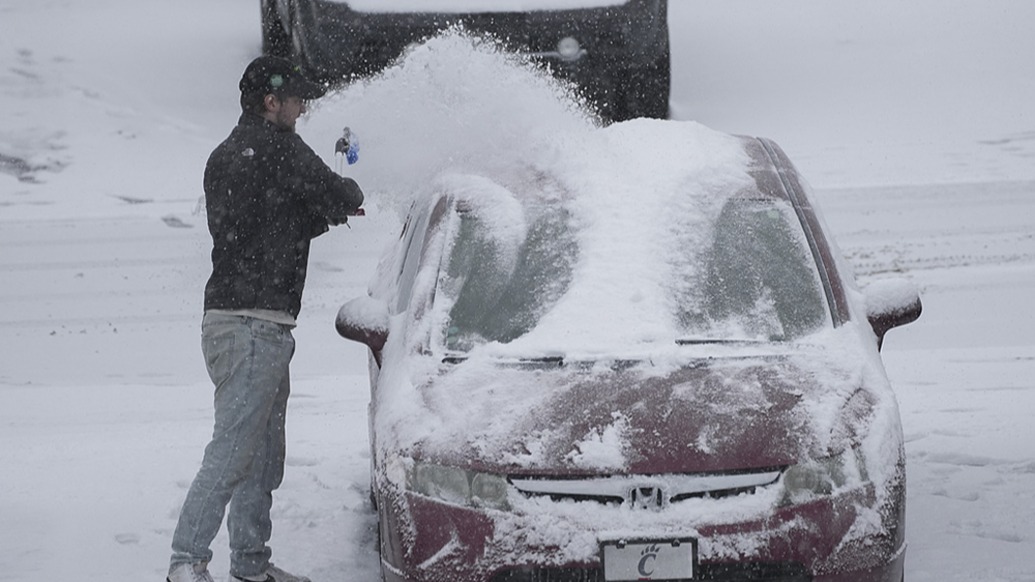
757	280
500	290
415	246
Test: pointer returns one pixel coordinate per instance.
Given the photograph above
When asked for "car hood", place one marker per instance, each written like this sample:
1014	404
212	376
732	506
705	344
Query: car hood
716	414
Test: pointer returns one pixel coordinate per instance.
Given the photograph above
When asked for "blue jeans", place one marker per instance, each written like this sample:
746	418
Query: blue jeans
247	359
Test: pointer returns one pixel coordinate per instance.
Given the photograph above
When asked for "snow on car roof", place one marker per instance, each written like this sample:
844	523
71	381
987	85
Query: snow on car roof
465	6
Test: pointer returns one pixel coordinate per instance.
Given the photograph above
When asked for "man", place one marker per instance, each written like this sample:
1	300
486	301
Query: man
267	196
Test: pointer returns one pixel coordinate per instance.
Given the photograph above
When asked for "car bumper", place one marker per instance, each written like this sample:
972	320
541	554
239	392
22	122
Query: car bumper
833	539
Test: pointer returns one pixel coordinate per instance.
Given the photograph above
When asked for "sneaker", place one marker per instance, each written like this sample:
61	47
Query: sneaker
190	573
273	574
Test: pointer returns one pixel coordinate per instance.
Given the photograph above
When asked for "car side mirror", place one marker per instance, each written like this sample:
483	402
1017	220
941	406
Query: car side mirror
364	320
891	303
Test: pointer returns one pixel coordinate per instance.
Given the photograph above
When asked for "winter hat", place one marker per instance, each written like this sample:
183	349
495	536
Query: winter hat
274	75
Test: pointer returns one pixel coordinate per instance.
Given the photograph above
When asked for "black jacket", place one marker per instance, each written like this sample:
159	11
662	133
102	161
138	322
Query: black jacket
267	195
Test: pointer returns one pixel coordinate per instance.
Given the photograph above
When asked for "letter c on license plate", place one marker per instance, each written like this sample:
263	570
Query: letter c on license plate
671	559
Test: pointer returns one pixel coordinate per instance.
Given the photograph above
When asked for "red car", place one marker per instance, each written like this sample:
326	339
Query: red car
636	356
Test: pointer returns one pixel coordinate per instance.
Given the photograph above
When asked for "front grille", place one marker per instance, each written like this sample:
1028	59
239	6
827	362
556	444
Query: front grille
646	491
743	572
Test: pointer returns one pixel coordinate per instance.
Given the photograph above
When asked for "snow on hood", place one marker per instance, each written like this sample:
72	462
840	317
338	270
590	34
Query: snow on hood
712	415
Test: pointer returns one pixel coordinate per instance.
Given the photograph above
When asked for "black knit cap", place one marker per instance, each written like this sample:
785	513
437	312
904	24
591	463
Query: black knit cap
266	75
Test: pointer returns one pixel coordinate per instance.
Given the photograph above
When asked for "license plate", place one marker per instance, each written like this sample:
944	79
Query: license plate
649	559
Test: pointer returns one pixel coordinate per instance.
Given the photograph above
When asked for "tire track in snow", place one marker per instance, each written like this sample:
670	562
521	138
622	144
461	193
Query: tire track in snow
917	228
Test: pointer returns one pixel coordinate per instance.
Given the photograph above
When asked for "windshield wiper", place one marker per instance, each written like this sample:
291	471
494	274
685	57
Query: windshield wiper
557	361
726	342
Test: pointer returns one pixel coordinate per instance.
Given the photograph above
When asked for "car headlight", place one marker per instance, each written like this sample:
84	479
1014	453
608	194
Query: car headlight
817	477
458	486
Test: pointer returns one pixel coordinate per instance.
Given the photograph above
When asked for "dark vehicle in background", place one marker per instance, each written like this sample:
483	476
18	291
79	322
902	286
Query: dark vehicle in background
616	51
705	401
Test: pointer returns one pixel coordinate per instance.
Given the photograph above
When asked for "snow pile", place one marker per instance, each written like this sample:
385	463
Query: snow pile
603	448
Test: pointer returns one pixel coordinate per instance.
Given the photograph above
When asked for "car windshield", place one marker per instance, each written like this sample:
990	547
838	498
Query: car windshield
754	280
500	289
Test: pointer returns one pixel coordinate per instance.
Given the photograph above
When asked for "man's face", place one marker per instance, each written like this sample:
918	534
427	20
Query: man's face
284	111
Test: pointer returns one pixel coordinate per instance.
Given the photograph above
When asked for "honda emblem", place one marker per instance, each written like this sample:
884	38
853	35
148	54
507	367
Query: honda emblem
646	498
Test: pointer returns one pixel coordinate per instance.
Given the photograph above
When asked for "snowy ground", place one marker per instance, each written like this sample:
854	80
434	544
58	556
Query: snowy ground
913	120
